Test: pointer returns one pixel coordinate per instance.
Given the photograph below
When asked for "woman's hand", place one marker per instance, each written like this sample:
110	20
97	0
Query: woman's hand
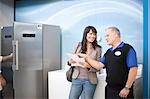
82	55
71	61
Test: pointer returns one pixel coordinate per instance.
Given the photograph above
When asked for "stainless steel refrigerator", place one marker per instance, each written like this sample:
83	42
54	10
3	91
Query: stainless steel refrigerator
37	50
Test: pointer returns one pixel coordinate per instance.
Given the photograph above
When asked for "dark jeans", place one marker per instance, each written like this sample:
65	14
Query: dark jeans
113	92
1	95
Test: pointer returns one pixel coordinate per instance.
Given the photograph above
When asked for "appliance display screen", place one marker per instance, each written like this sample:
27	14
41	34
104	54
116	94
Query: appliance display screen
28	35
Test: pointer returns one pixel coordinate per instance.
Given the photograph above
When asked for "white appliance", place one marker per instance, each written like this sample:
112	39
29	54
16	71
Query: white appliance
59	87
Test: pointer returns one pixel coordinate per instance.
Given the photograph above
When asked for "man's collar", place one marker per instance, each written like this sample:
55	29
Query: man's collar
119	46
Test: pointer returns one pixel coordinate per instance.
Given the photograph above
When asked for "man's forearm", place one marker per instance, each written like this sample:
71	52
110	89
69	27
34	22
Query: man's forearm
96	64
131	76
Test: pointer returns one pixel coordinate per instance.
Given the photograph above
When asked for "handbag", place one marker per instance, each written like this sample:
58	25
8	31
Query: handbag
71	69
69	73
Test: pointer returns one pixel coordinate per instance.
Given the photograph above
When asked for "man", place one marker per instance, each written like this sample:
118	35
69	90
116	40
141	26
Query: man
4	58
120	62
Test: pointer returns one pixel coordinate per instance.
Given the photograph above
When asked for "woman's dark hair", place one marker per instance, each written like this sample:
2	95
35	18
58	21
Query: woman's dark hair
84	40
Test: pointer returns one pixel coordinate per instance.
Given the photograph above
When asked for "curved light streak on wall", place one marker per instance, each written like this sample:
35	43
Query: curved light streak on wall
68	16
83	10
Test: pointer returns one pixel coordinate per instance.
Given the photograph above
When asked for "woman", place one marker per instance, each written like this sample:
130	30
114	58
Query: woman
85	79
4	58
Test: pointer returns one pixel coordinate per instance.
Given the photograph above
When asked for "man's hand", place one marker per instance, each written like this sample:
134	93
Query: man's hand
2	80
124	93
84	65
92	63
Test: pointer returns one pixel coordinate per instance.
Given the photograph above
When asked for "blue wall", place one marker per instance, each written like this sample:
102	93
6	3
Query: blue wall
74	15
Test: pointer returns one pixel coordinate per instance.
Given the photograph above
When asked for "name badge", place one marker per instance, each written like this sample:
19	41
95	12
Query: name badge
117	53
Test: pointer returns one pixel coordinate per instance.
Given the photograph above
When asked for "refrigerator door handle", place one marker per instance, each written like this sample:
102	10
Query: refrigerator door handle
15	53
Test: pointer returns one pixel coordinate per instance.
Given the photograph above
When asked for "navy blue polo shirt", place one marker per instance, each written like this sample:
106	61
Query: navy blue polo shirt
131	59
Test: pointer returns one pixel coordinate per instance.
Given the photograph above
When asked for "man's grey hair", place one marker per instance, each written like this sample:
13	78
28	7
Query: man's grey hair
115	29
